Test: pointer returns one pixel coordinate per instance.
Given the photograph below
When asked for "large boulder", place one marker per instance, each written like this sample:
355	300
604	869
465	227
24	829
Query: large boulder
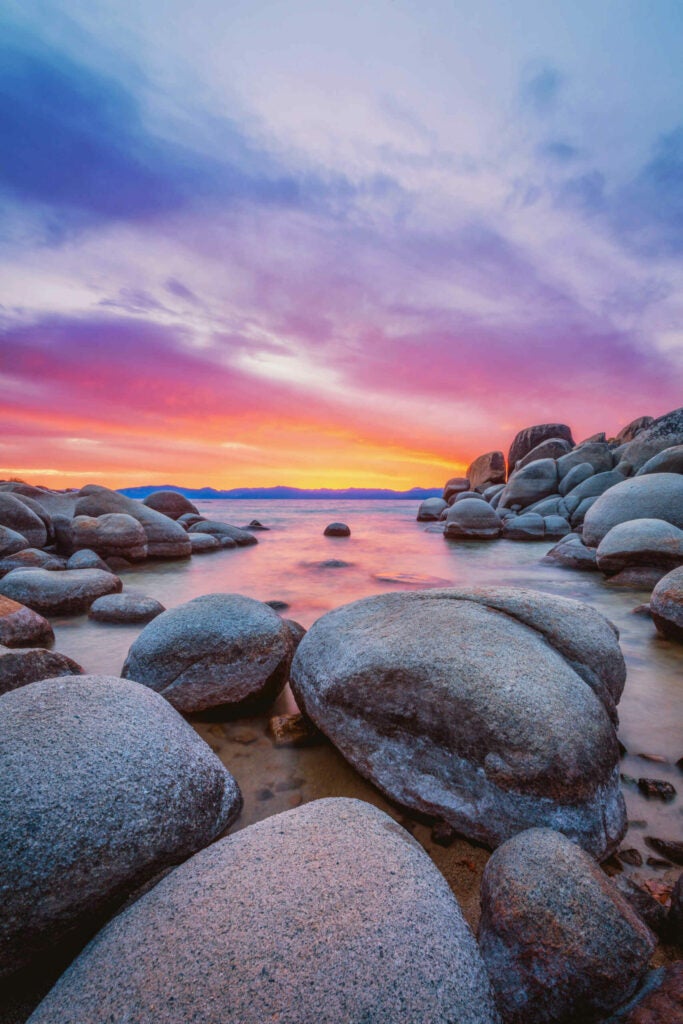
492	708
229	536
17	516
170	504
666	605
668	461
22	627
552	448
650	542
330	912
165	539
530	484
217	650
11	541
472	518
632	429
655	496
66	592
486	469
596	454
19	668
528	438
454	486
430	509
102	785
115	534
664	432
559	941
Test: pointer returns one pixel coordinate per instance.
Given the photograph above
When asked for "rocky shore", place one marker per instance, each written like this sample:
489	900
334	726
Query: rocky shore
474	719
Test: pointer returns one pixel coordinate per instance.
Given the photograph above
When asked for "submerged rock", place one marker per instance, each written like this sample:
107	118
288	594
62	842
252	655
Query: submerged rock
125	608
22	627
170	504
301	918
68	592
102	785
217	650
559	942
337	530
666	605
491	708
19	668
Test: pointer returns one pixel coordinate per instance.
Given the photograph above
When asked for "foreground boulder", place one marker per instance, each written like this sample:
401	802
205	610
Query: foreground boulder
170	504
165	539
102	785
559	941
330	912
217	650
666	605
22	627
526	440
66	592
655	496
125	608
19	668
649	542
17	516
491	708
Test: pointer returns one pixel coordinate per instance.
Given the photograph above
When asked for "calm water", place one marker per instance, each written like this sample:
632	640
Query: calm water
389	550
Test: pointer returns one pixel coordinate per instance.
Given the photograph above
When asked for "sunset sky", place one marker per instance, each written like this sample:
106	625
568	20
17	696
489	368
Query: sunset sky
332	243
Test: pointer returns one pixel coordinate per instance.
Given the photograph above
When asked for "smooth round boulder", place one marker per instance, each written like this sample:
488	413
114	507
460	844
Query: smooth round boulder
454	486
31	558
666	605
472	519
469	494
229	536
87	559
102	785
219	650
559	941
188	519
486	470
11	541
491	708
170	504
17	516
337	530
575	477
165	539
655	496
596	454
203	542
668	461
572	553
530	526
22	627
19	668
430	509
650	542
125	608
66	592
528	438
330	912
112	534
556	526
530	484
552	448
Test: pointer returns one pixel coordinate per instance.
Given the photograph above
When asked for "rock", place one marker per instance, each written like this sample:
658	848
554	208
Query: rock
430	509
632	857
595	485
556	526
256	525
18	668
102	785
454	486
668	461
472	519
527	439
636	577
202	542
650	542
217	650
529	526
19	518
599	456
676	911
110	535
293	731
530	484
490	492
666	605
579	514
672	849
490	708
22	627
553	448
59	593
632	429
551	506
656	789
225	533
572	554
86	559
125	608
31	558
660	1001
11	541
189	519
645	905
575	476
655	496
468	494
117	564
559	941
486	470
277	605
170	504
296	631
300	918
664	432
165	539
601	437
337	530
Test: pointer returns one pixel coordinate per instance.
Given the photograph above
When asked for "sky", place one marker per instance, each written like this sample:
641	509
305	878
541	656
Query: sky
331	243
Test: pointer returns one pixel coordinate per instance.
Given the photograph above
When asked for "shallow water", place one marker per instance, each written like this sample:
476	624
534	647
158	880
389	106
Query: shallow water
387	545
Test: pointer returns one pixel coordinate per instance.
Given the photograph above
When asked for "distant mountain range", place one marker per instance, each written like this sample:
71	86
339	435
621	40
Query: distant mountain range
361	493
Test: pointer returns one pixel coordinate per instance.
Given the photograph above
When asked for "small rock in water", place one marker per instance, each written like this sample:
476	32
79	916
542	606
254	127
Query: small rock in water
256	525
124	608
265	794
278	606
632	857
658	862
293	731
59	593
333	563
656	788
672	849
645	905
203	542
443	834
116	563
87	559
337	530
